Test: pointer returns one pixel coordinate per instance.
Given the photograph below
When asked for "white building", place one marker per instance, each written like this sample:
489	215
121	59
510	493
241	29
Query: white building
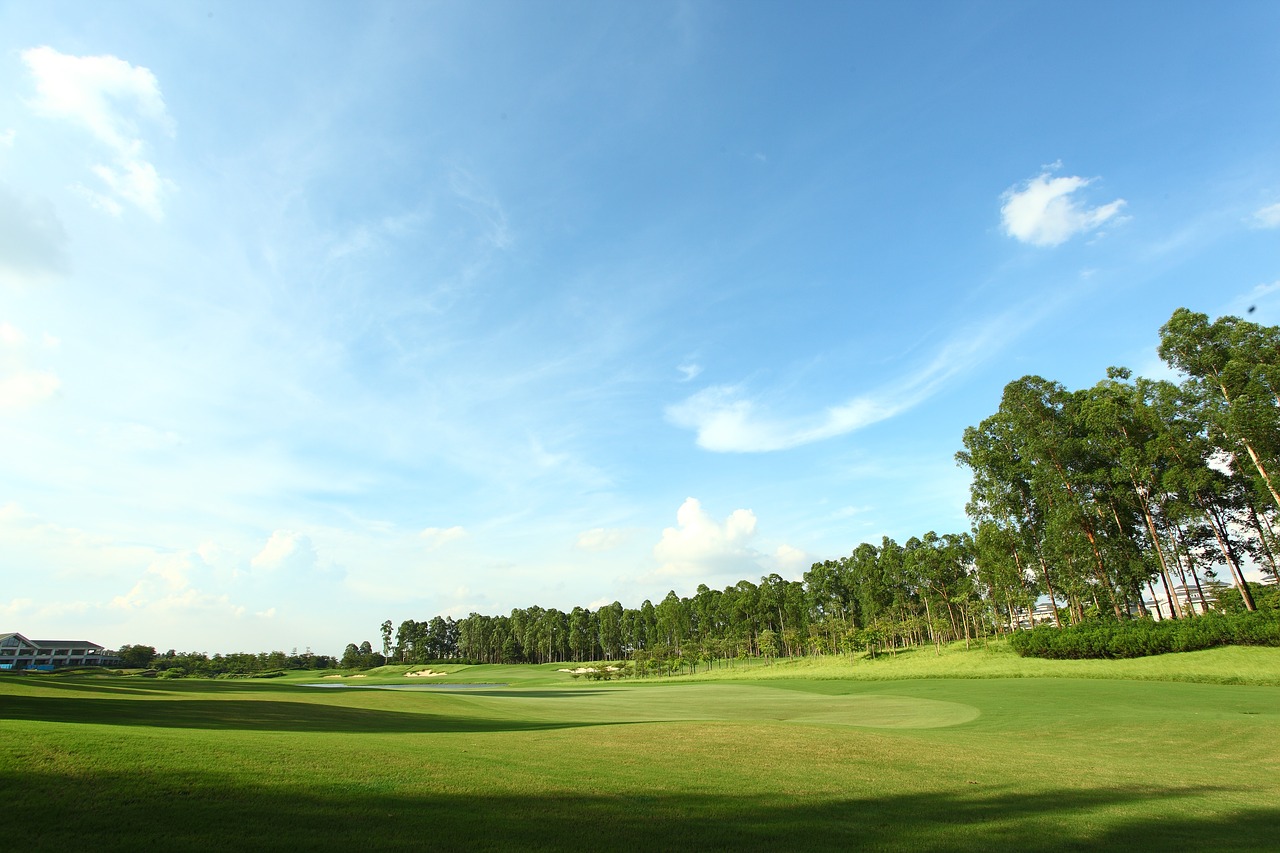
17	652
1188	598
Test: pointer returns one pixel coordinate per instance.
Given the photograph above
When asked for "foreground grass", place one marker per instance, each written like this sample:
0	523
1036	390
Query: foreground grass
809	758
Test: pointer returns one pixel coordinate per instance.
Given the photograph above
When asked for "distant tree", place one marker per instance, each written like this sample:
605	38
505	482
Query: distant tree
137	657
386	641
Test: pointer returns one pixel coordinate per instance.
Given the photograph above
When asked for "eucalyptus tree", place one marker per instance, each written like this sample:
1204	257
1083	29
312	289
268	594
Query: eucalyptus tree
386	641
1234	370
1050	429
1004	497
830	603
1203	478
674	621
1129	440
582	639
1001	571
610	621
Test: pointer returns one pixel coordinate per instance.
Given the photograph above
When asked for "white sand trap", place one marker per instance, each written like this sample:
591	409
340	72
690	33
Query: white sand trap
424	673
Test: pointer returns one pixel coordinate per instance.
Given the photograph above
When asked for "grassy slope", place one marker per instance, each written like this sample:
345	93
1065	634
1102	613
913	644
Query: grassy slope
1226	665
788	757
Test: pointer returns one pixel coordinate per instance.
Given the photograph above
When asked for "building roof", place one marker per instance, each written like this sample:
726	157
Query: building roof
81	644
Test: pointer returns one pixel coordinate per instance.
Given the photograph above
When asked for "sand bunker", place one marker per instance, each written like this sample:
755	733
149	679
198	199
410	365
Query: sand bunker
424	673
584	669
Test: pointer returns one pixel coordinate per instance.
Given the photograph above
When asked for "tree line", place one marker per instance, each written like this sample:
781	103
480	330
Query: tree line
1108	502
175	664
1133	488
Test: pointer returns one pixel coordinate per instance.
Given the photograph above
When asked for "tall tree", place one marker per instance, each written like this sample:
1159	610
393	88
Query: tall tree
1235	367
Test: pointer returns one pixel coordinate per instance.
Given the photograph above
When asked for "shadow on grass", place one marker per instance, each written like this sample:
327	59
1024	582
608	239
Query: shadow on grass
201	811
569	693
249	715
151	686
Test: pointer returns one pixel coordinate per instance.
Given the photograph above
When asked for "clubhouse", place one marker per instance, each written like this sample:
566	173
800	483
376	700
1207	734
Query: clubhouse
17	652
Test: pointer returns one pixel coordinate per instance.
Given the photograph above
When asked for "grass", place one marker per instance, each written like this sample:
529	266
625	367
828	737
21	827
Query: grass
894	754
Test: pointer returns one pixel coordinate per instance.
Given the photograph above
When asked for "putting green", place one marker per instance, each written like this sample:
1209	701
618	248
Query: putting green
728	702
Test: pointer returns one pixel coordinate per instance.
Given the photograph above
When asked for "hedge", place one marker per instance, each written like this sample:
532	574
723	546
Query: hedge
1142	637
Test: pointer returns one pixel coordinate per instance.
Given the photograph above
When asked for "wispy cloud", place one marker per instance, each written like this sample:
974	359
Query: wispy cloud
728	420
484	205
1044	210
21	385
1267	217
1260	299
109	98
437	536
689	371
600	539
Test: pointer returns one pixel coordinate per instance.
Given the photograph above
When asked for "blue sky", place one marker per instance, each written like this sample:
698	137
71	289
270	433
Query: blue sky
316	314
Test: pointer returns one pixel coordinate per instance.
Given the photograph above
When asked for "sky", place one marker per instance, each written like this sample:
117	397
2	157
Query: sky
314	315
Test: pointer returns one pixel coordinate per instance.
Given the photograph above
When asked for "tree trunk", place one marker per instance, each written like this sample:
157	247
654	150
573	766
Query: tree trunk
1253	454
1174	605
1155	599
1184	553
1263	539
1053	599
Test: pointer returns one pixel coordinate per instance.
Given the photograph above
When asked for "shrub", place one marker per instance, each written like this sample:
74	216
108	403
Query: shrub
1144	637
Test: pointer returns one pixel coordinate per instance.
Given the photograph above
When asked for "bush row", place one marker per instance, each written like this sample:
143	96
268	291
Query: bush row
1142	637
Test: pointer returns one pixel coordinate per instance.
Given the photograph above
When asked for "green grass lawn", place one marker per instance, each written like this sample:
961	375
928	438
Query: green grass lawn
818	755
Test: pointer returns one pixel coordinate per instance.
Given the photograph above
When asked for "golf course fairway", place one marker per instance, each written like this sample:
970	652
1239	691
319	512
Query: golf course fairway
815	757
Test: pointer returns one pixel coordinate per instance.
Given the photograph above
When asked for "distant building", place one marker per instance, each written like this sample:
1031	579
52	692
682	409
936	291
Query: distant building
17	652
1188	598
1042	614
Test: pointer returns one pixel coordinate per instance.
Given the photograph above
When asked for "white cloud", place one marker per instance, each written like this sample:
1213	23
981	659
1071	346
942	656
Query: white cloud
21	386
136	182
11	335
689	371
100	201
437	536
110	99
600	539
285	550
700	547
792	561
7	137
1042	211
24	389
728	421
1258	299
15	608
1267	217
